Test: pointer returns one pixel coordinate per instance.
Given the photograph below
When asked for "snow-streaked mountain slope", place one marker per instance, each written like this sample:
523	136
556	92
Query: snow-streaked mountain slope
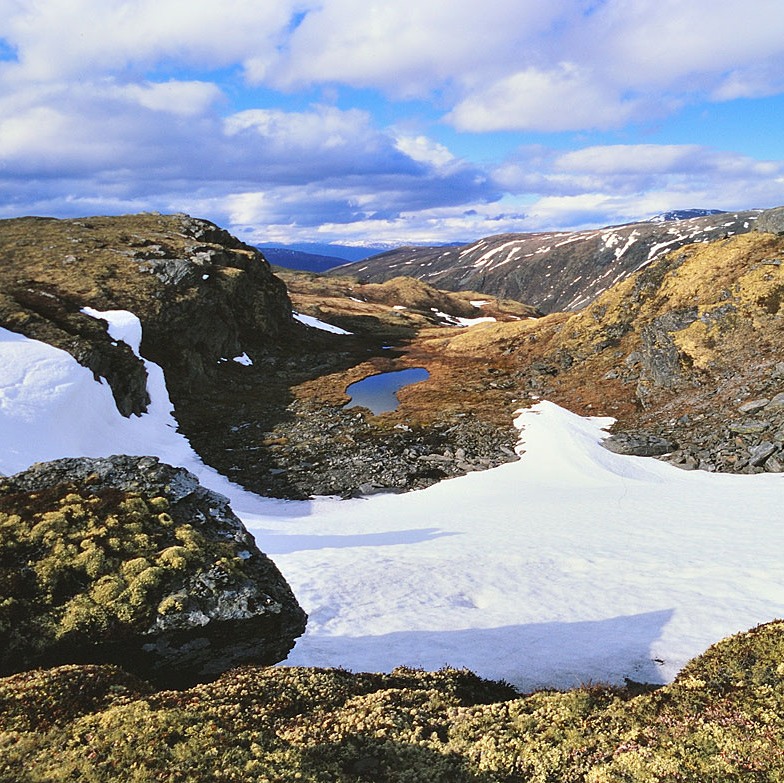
556	270
572	564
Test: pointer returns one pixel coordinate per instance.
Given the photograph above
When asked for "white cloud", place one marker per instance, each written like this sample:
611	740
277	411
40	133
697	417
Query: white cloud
521	64
185	99
81	37
323	130
123	148
410	48
252	216
564	98
619	183
756	81
631	168
119	105
630	158
684	45
501	64
425	150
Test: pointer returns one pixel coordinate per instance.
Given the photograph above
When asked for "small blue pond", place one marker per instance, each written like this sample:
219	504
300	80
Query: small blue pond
379	392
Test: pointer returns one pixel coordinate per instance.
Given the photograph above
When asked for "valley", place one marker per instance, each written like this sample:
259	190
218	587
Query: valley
542	546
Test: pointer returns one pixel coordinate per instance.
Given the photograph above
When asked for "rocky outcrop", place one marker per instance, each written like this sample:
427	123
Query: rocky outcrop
219	300
200	294
638	444
204	298
553	271
129	561
302	459
687	355
771	221
748	439
658	356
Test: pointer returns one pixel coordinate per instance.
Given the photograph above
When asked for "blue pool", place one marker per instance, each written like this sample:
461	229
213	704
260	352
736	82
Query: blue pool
379	392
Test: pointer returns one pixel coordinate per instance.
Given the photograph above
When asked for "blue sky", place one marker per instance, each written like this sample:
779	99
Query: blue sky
360	122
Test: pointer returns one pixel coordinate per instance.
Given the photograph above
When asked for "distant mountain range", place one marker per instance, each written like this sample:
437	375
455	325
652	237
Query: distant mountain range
554	270
315	256
684	214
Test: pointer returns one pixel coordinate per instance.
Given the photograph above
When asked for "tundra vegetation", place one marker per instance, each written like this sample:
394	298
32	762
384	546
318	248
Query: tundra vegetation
722	719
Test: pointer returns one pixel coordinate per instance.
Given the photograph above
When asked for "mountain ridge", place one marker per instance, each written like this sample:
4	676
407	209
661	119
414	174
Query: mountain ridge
555	270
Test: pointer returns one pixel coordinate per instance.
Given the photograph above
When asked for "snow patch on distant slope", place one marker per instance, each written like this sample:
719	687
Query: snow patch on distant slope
631	239
315	323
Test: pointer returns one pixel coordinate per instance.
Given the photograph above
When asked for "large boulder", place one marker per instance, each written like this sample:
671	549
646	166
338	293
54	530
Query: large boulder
129	561
771	221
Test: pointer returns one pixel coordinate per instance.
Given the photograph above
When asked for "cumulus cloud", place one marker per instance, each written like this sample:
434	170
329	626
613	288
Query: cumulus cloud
631	61
58	40
564	98
186	99
254	217
618	183
522	64
123	148
320	142
411	48
677	45
238	111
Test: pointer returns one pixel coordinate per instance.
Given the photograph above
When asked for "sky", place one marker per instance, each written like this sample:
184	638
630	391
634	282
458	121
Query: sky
366	122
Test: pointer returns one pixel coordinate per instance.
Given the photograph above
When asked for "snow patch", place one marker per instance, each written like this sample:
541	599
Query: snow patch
455	320
315	323
629	242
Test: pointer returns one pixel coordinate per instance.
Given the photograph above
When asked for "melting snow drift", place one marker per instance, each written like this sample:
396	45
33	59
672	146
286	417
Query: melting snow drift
571	565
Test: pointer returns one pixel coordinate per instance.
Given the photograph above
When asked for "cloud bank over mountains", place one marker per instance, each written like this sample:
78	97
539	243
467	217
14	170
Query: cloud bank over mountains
360	121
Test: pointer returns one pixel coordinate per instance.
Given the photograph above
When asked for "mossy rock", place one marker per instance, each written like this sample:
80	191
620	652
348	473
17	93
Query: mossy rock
129	561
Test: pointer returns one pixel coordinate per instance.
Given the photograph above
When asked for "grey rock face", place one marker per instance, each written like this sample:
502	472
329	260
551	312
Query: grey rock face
368	460
771	221
219	299
752	444
659	356
217	601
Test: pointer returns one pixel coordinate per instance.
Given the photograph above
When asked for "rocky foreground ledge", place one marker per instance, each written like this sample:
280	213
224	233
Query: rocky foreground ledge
129	561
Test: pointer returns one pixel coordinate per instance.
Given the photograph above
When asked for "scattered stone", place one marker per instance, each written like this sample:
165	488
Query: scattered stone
639	444
777	403
689	463
760	452
754	405
749	427
774	464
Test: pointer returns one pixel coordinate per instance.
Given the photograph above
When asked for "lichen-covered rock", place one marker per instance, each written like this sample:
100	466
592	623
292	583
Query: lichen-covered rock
129	561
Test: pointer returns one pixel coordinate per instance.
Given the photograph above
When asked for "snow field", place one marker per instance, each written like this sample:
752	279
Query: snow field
571	565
